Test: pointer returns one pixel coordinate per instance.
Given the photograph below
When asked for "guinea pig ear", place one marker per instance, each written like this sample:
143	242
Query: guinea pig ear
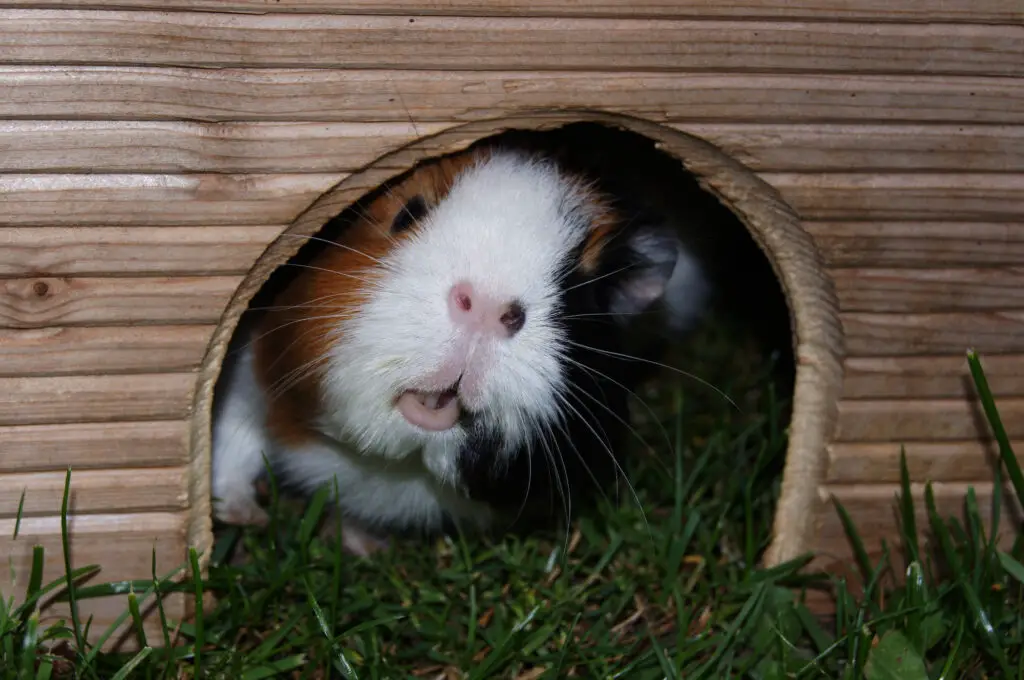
661	274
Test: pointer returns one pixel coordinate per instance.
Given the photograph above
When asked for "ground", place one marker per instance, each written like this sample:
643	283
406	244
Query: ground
662	582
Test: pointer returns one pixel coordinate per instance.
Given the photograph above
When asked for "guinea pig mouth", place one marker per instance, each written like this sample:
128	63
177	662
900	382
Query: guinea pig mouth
434	411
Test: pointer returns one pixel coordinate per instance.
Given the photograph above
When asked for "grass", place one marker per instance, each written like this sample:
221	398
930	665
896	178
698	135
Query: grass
668	587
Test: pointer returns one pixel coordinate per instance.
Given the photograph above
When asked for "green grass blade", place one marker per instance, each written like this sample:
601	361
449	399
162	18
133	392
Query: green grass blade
29	645
140	631
341	661
988	403
908	513
17	518
132	664
35	580
1011	566
65	539
860	553
276	669
200	617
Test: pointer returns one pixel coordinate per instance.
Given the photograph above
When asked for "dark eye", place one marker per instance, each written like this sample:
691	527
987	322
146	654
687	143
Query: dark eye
413	211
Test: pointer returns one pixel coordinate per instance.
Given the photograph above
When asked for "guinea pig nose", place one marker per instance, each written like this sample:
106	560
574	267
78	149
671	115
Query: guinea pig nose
513	318
460	298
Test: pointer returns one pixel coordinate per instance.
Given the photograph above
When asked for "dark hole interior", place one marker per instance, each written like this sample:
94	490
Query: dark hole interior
743	348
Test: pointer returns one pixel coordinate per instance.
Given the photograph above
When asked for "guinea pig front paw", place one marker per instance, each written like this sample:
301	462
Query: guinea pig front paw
360	542
240	509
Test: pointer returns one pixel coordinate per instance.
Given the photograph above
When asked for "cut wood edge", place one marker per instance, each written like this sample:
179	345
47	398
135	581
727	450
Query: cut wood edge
772	223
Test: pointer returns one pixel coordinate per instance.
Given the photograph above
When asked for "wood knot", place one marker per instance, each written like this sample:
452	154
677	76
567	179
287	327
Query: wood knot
41	288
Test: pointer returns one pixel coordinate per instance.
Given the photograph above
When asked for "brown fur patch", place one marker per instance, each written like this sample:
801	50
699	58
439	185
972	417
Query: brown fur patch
602	230
293	336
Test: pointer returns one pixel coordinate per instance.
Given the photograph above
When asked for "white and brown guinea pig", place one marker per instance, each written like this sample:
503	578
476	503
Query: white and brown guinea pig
457	354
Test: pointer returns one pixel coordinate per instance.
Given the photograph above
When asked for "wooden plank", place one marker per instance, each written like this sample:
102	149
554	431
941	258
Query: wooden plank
924	11
871	196
136	93
100	251
929	290
83	446
242	147
95	398
893	420
879	463
991	332
510	43
929	377
881	148
918	244
40	302
104	350
157	200
184	200
187	146
95	491
874	511
122	545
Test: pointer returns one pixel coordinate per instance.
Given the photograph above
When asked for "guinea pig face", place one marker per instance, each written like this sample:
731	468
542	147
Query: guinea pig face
462	319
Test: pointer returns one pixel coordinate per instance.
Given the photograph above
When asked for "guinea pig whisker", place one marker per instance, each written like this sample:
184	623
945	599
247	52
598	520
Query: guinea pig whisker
583	461
338	245
598	278
611	455
630	357
335	272
650	411
561	478
292	323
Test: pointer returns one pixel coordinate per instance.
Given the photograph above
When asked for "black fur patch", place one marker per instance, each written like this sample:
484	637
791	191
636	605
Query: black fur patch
413	211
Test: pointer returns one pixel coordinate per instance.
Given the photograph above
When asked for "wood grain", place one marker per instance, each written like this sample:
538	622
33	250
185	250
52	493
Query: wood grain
930	377
104	350
924	11
264	147
197	199
918	244
95	398
123	545
874	511
180	146
40	302
992	332
879	463
890	420
157	200
513	43
95	491
137	93
929	290
84	446
935	197
106	251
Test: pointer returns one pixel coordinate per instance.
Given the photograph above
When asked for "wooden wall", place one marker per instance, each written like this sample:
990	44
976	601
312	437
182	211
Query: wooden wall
147	157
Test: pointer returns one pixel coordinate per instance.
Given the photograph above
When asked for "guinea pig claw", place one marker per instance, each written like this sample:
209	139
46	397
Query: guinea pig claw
361	543
241	510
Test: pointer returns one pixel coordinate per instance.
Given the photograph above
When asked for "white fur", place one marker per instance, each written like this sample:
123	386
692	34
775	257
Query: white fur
687	292
240	440
506	228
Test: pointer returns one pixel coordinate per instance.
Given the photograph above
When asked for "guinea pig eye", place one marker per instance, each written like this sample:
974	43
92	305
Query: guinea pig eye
413	211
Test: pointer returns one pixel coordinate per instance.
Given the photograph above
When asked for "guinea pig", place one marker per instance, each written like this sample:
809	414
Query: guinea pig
460	352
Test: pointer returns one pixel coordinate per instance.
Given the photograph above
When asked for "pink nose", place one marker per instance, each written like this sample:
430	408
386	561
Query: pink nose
481	314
